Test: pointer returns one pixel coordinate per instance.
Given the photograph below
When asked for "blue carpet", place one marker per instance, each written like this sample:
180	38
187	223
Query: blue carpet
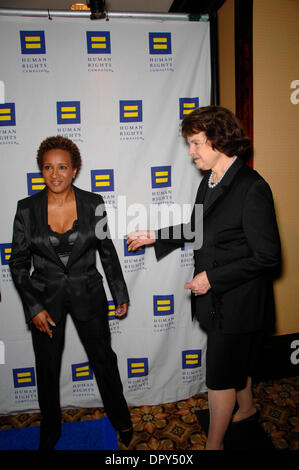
97	434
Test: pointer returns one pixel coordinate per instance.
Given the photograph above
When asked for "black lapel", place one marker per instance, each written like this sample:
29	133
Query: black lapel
200	196
83	216
225	186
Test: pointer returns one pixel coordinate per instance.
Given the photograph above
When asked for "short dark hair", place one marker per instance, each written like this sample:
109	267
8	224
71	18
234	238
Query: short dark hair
59	142
222	128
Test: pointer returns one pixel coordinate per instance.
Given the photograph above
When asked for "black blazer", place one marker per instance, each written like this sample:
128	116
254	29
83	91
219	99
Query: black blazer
47	285
240	252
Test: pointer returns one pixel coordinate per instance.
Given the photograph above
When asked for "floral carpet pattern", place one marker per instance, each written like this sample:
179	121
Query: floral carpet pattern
174	426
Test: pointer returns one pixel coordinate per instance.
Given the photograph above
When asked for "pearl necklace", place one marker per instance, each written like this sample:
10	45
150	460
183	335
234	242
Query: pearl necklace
212	185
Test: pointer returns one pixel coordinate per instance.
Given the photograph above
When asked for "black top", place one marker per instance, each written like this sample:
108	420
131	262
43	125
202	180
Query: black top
63	242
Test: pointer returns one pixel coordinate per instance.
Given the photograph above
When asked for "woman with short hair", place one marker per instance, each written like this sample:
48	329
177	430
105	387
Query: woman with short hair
232	292
55	230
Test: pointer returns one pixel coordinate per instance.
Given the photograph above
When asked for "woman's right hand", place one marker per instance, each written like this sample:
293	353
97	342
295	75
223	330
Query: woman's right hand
42	321
139	238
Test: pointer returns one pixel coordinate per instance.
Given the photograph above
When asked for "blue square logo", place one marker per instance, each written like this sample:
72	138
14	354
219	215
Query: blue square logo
191	359
102	180
98	42
33	42
35	183
130	111
137	367
160	43
7	114
161	176
5	253
163	305
68	112
81	372
187	105
24	377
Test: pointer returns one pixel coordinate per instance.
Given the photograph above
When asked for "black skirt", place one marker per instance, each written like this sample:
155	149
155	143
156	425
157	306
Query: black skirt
231	358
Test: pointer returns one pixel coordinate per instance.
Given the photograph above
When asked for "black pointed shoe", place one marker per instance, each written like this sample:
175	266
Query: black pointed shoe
249	419
126	436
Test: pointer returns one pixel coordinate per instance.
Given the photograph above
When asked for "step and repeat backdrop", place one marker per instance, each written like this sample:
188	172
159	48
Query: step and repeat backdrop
119	89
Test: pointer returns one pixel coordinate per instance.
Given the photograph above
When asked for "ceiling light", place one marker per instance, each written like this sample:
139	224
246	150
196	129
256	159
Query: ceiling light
79	6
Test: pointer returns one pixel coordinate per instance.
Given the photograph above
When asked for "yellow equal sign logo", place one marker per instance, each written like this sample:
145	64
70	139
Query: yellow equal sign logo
130	110
163	305
24	377
111	310
191	358
102	180
98	42
5	253
187	105
68	112
38	184
35	183
33	42
160	43
7	114
161	176
81	372
137	367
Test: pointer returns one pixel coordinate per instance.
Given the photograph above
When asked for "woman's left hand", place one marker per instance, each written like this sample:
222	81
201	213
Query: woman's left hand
121	310
200	284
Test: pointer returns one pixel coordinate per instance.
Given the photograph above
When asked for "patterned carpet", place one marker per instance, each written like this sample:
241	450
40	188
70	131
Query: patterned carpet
174	425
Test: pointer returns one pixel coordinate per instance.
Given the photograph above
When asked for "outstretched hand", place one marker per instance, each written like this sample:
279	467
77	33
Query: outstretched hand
139	238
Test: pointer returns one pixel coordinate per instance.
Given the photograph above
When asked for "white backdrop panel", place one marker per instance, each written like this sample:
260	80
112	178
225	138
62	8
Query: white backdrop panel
161	354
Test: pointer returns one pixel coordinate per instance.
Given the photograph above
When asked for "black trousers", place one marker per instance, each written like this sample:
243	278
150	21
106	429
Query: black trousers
96	339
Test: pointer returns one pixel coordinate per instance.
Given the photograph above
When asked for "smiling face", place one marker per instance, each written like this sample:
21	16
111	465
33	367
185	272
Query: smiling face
57	170
200	149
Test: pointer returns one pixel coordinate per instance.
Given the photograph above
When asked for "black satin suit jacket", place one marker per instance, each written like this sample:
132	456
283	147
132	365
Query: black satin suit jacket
50	282
240	252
